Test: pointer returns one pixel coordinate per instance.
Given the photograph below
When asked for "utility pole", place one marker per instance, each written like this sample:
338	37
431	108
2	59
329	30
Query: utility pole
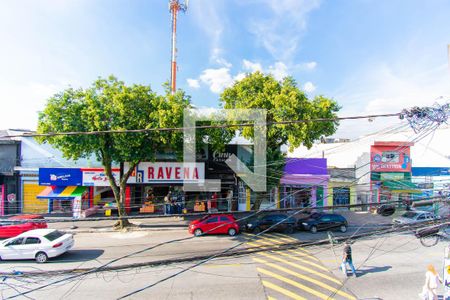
174	7
448	53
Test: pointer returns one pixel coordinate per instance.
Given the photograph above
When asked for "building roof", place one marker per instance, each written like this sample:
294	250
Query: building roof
431	149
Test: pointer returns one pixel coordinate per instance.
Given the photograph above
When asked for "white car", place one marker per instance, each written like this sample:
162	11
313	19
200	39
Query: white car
414	216
38	244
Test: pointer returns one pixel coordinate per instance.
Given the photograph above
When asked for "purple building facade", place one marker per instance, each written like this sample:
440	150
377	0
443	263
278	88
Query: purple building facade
304	183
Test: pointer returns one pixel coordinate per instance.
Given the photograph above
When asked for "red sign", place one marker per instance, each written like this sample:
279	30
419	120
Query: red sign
390	157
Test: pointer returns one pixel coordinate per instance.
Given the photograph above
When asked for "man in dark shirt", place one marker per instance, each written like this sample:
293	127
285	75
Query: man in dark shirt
347	259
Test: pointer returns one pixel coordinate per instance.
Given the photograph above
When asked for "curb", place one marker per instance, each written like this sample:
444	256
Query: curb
106	230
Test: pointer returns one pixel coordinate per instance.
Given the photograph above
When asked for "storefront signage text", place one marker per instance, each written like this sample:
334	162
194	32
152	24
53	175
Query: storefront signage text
167	172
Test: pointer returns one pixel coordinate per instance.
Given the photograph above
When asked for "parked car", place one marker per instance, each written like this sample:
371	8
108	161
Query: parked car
214	224
16	225
386	210
38	244
413	217
286	223
323	221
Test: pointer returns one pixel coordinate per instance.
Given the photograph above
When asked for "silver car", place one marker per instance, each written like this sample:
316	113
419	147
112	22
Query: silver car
414	216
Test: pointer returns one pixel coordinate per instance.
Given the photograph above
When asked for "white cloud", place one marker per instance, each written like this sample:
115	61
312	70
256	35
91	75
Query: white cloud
209	19
280	32
250	66
239	76
309	87
32	98
383	88
223	62
193	83
279	70
217	79
308	65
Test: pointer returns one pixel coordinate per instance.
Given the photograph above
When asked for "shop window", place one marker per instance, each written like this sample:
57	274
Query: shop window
341	196
242	195
390	156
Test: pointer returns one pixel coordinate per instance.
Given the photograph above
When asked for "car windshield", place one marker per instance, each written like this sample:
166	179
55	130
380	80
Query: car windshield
315	215
53	235
409	214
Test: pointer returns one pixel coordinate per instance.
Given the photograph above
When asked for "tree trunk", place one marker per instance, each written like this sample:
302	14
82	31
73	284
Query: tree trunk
260	196
122	223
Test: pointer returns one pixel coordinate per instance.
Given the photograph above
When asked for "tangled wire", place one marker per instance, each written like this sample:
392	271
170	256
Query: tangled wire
421	118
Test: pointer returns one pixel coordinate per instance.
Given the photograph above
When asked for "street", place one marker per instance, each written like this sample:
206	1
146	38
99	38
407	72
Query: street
396	262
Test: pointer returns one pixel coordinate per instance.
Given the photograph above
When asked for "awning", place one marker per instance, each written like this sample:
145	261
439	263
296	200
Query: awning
401	186
62	192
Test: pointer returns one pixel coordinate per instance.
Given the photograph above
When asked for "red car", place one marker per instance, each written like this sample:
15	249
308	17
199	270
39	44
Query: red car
214	224
19	224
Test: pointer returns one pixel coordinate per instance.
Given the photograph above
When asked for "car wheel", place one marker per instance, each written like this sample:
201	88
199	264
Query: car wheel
41	257
231	232
343	228
198	232
256	230
313	229
289	229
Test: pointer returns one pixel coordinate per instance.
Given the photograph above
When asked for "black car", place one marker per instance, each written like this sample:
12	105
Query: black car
318	221
386	210
286	223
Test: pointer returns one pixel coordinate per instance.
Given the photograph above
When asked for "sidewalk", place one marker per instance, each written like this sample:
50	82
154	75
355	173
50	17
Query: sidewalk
355	219
162	223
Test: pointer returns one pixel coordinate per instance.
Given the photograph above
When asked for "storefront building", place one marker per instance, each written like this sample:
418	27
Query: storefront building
342	186
80	191
304	183
9	179
390	172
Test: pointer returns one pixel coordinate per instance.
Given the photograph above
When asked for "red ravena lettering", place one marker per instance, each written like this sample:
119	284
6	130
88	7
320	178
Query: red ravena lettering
195	173
177	173
151	172
160	173
186	173
168	172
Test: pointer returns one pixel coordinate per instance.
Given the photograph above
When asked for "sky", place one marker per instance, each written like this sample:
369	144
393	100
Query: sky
371	56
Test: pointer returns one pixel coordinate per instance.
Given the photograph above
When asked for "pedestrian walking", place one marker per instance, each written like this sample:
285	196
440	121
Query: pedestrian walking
432	280
168	203
347	259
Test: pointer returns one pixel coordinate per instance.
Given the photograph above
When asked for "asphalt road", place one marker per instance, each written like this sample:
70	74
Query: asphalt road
389	267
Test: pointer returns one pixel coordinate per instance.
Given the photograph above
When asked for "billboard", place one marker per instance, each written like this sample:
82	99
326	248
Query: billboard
390	157
167	172
60	176
97	177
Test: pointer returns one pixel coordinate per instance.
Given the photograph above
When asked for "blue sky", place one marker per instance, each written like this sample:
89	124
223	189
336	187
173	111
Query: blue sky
371	56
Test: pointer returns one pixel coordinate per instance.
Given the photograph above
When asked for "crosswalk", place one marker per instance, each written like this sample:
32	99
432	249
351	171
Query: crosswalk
293	273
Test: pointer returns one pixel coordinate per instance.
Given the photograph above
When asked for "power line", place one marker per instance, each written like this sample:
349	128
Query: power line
144	130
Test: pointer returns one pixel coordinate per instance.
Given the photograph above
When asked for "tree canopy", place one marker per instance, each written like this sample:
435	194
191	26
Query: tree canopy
284	101
109	104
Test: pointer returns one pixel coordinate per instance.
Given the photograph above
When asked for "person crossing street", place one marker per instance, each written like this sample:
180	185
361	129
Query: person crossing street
347	259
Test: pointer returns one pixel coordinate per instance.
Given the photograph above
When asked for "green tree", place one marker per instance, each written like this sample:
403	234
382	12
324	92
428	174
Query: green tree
110	104
284	101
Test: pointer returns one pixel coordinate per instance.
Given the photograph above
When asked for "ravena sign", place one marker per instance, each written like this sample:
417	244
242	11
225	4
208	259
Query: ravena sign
167	172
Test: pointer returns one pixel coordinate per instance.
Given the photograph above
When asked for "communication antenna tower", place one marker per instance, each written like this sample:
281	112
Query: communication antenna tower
174	7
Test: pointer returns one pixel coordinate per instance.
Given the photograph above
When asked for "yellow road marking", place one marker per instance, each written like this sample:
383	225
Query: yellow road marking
273	240
271	298
304	261
280	237
256	245
301	267
294	283
302	254
281	290
265	242
304	277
